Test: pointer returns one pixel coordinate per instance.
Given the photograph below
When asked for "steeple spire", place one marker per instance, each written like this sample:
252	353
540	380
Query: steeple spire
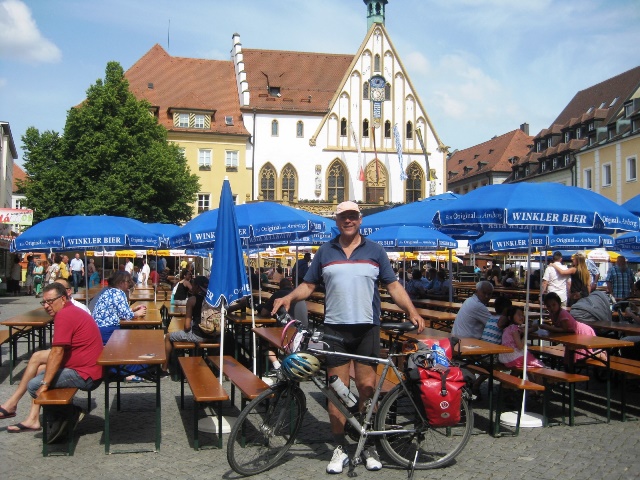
375	11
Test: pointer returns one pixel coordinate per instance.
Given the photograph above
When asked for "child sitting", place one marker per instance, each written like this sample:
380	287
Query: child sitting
513	336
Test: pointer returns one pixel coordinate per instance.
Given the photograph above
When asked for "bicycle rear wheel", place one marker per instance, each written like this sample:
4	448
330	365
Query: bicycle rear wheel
265	429
436	447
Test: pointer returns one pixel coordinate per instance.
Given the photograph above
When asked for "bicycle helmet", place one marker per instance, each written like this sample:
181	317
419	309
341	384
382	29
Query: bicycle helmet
300	366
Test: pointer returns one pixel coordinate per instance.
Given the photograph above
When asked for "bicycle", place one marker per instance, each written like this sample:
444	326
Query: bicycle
267	427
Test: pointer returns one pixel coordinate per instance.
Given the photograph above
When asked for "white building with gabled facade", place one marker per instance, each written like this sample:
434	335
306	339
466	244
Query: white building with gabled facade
325	127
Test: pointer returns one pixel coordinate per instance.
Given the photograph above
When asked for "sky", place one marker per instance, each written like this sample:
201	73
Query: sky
480	67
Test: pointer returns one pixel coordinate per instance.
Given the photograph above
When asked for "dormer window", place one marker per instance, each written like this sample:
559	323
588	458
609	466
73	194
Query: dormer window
481	165
543	166
567	137
555	164
516	174
467	170
567	159
549	142
628	109
183	120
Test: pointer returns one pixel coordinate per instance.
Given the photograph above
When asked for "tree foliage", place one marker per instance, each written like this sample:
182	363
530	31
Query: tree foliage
113	158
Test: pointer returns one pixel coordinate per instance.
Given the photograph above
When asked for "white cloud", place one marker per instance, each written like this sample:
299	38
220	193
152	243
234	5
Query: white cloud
20	38
417	63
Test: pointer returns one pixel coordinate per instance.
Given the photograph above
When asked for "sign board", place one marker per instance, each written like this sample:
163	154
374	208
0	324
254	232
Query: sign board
16	216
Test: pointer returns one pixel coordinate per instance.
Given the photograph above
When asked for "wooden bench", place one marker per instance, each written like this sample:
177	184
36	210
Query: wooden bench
512	383
628	368
4	338
205	388
548	376
55	398
250	385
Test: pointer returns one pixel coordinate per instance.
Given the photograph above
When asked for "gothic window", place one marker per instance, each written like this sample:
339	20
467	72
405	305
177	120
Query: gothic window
375	186
409	131
289	179
414	185
268	182
387	91
274	128
337	182
343	127
376	63
299	129
365	90
387	129
365	128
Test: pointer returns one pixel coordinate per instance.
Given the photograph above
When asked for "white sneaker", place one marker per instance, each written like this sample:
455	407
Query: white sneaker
371	459
338	461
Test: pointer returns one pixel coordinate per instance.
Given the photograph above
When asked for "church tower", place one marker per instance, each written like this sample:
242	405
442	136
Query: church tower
375	11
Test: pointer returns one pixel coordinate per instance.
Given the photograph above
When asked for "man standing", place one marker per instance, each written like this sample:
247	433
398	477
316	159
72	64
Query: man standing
144	272
473	314
64	267
351	267
128	267
73	356
162	264
552	281
301	268
620	279
77	270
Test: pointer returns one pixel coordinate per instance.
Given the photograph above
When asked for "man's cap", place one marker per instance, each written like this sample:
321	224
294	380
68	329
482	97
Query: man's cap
202	282
347	207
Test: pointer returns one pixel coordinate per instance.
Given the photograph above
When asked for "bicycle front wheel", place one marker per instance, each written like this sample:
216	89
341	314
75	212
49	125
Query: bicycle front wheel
435	447
265	429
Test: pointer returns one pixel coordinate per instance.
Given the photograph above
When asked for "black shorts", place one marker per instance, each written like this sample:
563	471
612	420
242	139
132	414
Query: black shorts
357	339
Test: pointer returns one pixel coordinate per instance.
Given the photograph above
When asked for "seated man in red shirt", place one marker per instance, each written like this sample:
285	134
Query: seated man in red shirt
76	346
154	278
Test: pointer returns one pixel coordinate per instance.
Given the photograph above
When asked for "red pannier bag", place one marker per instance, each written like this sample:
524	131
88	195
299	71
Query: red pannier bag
438	387
441	394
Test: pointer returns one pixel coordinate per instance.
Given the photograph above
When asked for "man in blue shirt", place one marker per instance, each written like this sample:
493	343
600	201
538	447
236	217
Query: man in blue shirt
351	267
620	279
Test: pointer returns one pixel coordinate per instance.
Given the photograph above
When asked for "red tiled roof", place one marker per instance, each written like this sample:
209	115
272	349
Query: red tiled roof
620	86
307	81
18	174
188	83
495	153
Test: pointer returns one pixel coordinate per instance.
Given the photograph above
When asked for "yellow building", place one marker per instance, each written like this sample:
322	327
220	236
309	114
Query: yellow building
196	100
609	165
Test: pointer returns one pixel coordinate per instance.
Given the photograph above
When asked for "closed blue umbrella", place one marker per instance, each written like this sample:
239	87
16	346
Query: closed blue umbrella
228	280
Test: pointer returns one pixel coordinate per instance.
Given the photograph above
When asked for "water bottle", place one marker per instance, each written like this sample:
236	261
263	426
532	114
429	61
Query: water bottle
439	355
343	391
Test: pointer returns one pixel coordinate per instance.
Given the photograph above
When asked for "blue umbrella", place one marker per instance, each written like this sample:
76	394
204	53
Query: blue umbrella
505	241
228	280
163	230
411	237
633	205
81	232
530	205
419	214
536	205
258	223
628	241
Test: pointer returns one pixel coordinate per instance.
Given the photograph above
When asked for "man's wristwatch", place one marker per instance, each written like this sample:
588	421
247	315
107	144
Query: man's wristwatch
44	384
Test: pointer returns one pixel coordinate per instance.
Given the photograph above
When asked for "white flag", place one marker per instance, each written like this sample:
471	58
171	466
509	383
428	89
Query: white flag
396	134
357	142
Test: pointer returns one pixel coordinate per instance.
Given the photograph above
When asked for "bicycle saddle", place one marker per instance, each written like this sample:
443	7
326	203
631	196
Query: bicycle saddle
398	326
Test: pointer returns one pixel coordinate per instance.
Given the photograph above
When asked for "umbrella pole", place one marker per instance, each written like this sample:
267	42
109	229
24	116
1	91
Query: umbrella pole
222	318
86	280
253	341
450	278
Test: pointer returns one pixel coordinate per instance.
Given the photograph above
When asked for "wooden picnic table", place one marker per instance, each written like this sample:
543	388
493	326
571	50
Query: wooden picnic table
621	326
27	325
128	347
594	346
434	317
151	319
82	293
147	295
150	304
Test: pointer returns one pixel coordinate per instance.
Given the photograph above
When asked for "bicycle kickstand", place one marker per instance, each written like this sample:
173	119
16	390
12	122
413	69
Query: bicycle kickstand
353	462
412	467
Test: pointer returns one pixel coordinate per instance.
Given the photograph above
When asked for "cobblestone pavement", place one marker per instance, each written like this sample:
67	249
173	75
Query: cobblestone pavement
592	449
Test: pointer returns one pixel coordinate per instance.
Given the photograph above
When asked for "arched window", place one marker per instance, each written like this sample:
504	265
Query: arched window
376	63
414	186
336	182
365	90
409	131
299	129
375	186
387	129
343	127
387	91
274	128
365	128
289	179
268	182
